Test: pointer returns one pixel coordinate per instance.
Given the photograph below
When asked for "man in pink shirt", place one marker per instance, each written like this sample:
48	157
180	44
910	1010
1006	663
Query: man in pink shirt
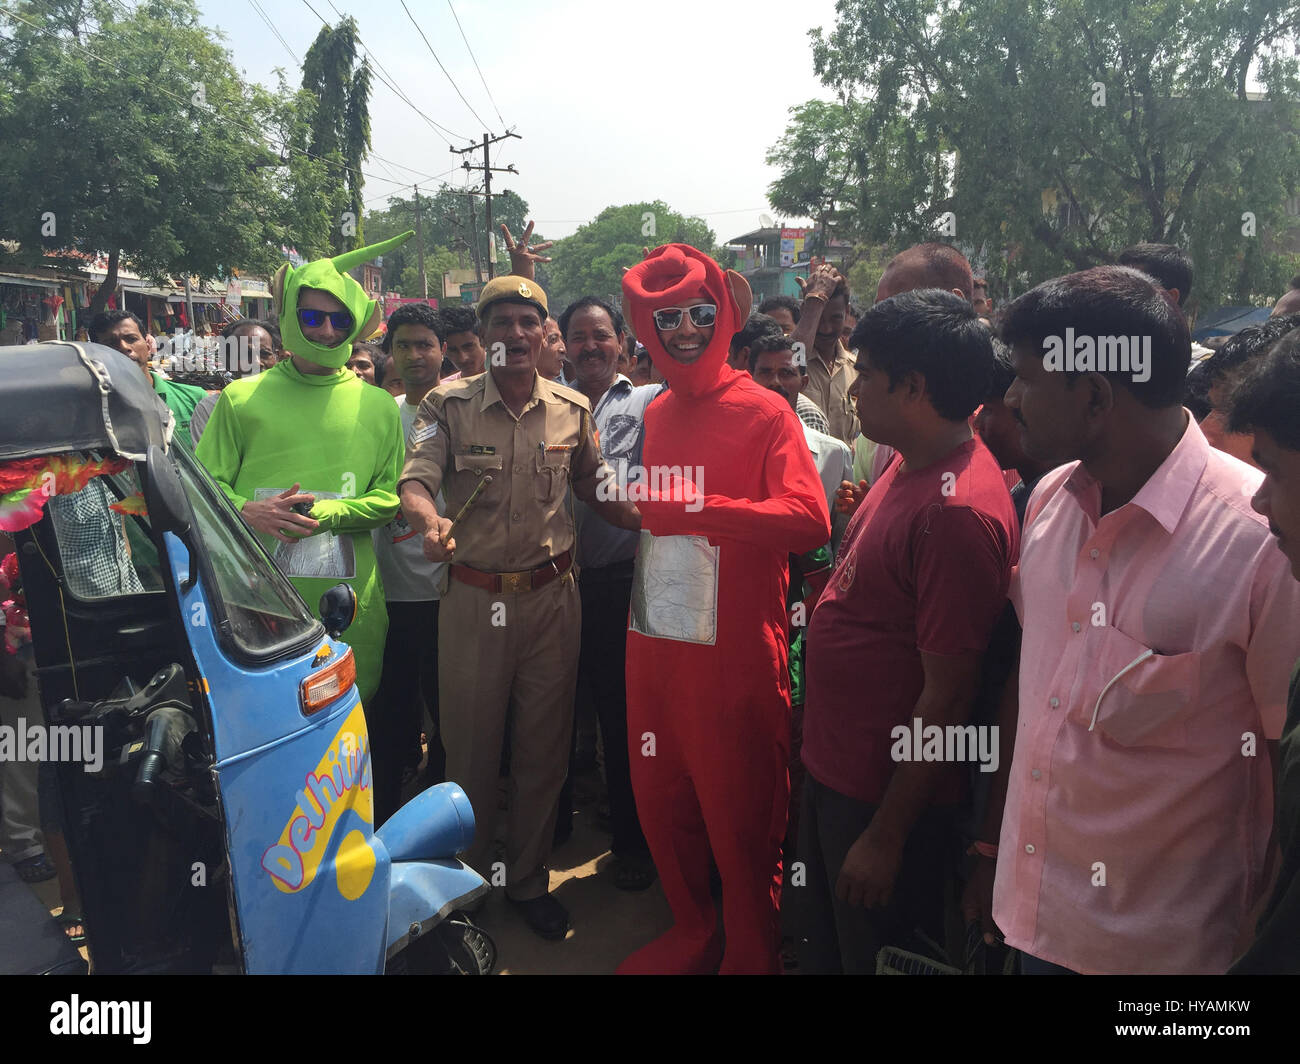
1158	627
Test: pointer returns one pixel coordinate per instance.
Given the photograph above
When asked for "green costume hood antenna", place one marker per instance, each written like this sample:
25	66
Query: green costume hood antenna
330	275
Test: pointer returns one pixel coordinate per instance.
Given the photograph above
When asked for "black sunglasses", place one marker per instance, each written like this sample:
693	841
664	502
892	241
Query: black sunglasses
314	319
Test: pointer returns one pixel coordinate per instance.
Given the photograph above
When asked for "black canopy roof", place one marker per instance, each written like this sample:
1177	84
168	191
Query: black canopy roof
67	397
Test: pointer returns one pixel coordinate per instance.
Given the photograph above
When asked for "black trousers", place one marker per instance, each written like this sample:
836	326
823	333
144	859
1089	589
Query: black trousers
395	716
602	675
836	937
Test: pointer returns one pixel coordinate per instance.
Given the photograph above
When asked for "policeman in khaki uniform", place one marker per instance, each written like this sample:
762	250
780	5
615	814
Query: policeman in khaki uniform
510	622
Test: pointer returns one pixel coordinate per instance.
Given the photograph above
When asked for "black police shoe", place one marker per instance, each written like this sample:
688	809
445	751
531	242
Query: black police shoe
546	916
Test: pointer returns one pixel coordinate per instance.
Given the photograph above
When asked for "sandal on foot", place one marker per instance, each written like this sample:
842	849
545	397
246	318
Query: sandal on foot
68	921
35	869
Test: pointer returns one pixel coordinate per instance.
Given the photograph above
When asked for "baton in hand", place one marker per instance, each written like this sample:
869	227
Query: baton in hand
487	479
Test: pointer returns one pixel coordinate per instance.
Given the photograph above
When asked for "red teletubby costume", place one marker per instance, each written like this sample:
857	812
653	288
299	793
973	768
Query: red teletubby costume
707	647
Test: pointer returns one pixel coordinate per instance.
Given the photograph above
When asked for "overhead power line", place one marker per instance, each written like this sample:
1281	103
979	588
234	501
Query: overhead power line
272	27
441	67
390	82
385	80
476	66
395	191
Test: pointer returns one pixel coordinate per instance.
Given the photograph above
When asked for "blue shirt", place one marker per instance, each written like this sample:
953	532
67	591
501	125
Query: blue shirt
620	421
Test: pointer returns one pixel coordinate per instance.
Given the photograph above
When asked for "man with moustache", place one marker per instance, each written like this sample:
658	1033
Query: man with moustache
816	337
510	618
707	680
593	334
738	359
1130	832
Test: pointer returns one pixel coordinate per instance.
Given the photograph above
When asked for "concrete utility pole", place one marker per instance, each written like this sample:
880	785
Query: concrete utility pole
419	243
478	265
488	169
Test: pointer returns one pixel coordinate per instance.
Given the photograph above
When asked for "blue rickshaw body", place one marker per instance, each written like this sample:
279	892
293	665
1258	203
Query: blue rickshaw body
317	889
251	758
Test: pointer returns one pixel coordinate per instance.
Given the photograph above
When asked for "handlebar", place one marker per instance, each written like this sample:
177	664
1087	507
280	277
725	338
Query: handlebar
164	732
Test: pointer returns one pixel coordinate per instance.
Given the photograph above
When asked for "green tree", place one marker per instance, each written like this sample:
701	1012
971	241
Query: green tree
129	133
866	267
339	130
444	218
818	166
591	261
1058	132
437	261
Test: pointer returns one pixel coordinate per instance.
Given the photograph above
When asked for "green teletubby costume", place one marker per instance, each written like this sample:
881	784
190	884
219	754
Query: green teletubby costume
337	436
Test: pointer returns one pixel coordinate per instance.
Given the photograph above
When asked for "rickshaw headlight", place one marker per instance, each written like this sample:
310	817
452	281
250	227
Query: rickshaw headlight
330	684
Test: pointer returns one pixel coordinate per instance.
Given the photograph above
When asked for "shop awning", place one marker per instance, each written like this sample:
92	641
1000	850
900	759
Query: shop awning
32	281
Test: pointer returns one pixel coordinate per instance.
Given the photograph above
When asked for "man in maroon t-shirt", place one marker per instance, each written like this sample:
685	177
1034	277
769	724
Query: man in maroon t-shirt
896	640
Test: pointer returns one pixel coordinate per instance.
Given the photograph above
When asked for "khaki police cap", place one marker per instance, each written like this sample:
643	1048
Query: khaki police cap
514	288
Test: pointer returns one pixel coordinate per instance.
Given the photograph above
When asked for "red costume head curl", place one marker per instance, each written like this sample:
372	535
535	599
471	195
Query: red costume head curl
672	274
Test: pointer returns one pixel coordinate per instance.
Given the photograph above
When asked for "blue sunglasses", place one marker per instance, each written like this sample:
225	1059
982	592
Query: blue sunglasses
314	319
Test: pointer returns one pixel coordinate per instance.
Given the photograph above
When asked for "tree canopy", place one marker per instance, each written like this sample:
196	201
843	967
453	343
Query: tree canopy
1049	135
591	261
445	220
128	132
339	127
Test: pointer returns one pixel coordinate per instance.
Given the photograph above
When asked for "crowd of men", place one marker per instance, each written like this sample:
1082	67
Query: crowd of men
878	608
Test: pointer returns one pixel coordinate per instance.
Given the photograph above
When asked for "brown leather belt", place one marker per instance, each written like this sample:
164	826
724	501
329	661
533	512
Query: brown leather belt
527	580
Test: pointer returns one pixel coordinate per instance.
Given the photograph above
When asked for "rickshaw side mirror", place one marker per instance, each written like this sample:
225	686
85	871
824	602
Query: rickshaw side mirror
168	505
338	608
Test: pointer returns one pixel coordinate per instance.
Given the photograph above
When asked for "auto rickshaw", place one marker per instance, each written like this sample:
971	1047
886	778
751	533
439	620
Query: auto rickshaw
202	757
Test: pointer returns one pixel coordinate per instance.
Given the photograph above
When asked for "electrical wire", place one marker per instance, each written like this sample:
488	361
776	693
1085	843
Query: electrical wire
395	191
476	66
389	82
441	67
272	27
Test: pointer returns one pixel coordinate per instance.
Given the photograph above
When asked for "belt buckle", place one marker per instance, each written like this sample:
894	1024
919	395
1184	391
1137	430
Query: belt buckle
514	582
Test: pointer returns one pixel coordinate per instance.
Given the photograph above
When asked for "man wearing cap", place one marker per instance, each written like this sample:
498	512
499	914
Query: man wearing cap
307	422
708	690
504	447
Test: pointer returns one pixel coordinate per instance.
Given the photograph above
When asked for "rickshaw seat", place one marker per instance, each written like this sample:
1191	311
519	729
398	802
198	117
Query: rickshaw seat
31	940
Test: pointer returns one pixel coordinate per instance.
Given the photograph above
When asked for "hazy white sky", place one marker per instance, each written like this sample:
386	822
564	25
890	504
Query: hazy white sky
616	102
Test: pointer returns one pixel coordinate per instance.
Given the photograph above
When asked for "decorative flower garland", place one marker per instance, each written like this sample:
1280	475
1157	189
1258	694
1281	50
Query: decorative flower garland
26	484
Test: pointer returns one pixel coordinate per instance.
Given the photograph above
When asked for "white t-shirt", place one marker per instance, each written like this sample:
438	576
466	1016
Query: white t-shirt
407	574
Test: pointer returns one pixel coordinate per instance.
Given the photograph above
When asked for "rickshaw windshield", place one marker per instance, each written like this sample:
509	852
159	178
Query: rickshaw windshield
267	617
